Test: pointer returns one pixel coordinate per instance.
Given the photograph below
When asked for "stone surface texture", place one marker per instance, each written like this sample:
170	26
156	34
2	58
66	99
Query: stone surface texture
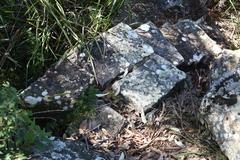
123	48
106	118
167	4
149	83
190	40
59	86
153	36
66	150
220	107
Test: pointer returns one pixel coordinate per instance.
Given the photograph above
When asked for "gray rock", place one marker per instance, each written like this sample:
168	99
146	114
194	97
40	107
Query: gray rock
106	118
153	36
58	87
225	62
120	49
116	52
65	150
220	107
191	41
167	4
149	83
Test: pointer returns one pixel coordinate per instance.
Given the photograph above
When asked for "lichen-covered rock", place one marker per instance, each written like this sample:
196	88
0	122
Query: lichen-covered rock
65	150
227	61
220	107
191	41
167	4
106	118
116	52
119	49
58	87
153	36
149	83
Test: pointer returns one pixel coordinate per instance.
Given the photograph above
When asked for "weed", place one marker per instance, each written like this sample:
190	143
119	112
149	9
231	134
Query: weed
35	34
18	131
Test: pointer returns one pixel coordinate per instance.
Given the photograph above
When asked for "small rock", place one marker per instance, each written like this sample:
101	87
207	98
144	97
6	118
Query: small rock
106	118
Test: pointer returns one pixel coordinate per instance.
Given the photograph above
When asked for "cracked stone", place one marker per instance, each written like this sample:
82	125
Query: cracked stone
149	83
57	86
153	36
118	50
191	41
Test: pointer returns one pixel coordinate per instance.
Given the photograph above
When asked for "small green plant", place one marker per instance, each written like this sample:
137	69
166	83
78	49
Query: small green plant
17	130
85	105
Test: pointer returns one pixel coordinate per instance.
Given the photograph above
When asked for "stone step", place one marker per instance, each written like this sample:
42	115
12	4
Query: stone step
153	36
191	41
115	52
148	84
58	87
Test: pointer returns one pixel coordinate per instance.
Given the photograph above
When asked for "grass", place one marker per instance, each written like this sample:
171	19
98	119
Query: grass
36	33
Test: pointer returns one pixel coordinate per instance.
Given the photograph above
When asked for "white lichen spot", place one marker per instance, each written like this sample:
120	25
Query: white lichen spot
164	67
65	108
184	39
148	49
158	71
145	27
175	62
44	93
68	95
58	102
197	58
82	55
57	97
32	100
52	138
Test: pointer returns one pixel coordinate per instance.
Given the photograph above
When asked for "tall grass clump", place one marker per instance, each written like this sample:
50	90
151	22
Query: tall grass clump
36	33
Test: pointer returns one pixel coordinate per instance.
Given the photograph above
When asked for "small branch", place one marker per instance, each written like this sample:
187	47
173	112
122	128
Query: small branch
49	111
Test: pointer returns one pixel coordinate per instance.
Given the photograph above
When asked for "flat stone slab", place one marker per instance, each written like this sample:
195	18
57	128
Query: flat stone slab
117	51
191	41
153	36
59	87
149	83
220	107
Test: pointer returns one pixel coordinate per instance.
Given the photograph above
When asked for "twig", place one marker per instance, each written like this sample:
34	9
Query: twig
49	111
